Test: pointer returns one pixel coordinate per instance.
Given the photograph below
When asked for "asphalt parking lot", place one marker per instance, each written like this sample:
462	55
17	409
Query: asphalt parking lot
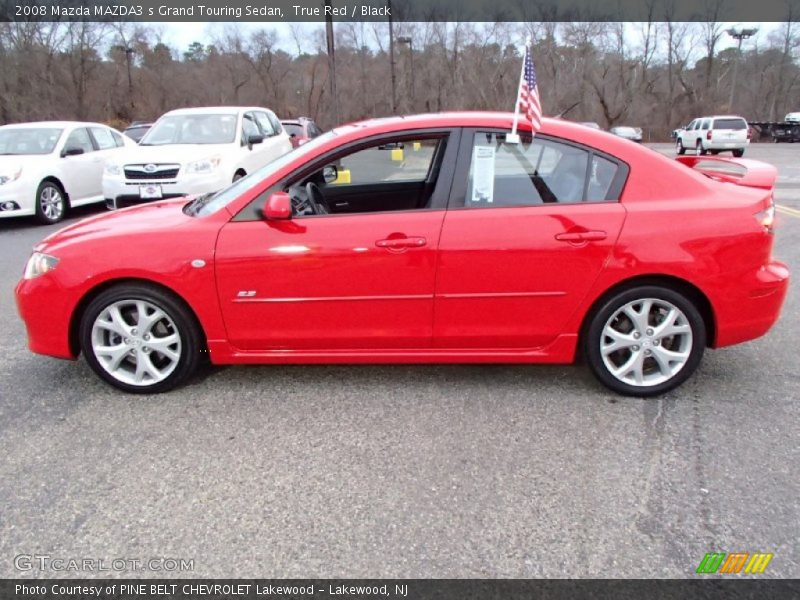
405	471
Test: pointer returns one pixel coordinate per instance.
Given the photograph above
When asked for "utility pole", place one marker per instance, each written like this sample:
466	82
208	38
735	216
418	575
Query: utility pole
331	59
738	35
391	57
129	52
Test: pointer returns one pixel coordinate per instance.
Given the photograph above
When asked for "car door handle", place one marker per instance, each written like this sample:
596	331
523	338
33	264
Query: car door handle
581	236
398	243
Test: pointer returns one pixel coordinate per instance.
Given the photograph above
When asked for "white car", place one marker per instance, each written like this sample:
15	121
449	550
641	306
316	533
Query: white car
194	151
49	166
792	117
714	134
629	133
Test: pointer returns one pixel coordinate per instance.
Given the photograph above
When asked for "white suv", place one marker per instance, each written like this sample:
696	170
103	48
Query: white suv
714	134
194	151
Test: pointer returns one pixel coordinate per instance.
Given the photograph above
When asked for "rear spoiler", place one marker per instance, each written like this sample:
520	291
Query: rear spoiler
741	171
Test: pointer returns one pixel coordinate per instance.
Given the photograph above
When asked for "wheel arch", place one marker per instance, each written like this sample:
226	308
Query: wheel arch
688	289
83	303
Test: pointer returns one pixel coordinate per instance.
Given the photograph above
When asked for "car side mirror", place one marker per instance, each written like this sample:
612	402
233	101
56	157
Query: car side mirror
71	151
254	139
330	173
278	207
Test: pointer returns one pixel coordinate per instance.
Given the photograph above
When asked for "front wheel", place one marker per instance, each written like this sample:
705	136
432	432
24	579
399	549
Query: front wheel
679	149
140	339
645	341
51	203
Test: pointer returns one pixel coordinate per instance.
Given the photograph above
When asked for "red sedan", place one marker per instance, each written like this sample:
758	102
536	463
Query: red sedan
424	239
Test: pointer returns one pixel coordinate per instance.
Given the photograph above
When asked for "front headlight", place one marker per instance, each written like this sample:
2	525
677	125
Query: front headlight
207	165
39	264
9	177
112	169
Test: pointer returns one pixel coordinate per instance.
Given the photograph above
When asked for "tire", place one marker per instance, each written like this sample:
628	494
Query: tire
237	176
679	149
738	153
134	366
655	363
714	152
699	149
51	203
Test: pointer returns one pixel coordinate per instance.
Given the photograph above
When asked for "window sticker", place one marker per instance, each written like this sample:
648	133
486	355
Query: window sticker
483	174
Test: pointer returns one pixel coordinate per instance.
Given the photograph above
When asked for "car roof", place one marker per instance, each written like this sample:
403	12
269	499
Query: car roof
214	110
53	124
720	117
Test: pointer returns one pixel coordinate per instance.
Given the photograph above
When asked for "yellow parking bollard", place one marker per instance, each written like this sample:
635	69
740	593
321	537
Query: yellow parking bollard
417	146
397	154
342	176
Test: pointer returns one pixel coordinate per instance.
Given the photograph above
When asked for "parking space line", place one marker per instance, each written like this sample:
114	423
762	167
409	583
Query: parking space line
792	212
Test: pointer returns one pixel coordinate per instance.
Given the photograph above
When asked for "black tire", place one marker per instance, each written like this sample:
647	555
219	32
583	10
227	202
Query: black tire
699	149
51	203
237	176
182	321
738	153
679	149
594	336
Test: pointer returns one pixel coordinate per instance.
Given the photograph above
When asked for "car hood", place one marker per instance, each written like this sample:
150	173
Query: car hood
143	219
174	153
9	164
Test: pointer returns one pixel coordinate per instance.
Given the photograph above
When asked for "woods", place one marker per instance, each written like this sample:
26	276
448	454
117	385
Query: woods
656	75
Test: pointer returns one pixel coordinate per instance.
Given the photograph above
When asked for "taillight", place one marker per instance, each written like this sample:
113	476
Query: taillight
766	217
708	135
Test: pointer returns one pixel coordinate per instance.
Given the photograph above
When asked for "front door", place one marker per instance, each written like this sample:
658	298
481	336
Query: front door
342	280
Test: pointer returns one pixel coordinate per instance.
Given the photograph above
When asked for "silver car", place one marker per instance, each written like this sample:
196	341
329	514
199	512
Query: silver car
629	133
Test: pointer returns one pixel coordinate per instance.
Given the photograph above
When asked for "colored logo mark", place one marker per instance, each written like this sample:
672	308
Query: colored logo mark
734	562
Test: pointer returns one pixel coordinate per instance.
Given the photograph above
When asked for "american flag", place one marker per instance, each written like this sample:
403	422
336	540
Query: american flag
529	93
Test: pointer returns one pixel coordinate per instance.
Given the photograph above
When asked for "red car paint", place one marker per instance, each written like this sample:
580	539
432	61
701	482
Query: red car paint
509	284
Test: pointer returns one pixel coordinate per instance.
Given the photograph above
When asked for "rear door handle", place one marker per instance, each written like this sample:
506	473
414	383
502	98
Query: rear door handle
401	243
581	236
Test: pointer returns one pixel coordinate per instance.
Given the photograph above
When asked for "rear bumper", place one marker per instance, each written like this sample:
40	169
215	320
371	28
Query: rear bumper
751	305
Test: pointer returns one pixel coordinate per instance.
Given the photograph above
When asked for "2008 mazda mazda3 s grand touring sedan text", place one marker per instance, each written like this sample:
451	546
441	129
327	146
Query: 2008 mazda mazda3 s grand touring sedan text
424	239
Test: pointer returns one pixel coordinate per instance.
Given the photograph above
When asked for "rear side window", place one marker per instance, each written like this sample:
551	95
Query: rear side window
730	124
530	173
293	128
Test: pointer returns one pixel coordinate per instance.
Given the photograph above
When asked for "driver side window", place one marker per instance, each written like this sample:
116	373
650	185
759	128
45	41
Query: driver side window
395	174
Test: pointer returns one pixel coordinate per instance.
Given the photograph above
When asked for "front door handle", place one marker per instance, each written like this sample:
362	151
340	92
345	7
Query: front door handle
581	236
401	243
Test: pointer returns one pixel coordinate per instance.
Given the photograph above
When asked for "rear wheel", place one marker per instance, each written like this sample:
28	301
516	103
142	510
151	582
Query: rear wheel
738	153
699	148
679	149
645	341
140	339
51	203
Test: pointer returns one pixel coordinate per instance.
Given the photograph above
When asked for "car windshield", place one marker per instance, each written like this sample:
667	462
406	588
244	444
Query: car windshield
33	140
209	204
192	129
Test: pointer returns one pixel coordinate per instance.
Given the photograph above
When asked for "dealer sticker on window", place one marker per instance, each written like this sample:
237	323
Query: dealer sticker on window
483	174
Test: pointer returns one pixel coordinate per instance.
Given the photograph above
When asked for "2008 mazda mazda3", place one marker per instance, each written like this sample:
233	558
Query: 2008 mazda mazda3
434	238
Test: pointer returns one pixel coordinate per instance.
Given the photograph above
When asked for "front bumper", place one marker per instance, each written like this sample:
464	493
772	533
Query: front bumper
43	303
752	306
14	192
120	192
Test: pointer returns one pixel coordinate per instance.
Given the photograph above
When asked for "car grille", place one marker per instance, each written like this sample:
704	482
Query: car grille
151	171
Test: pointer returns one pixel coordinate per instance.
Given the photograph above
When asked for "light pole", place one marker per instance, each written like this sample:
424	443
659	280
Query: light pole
739	35
329	38
129	52
391	56
408	40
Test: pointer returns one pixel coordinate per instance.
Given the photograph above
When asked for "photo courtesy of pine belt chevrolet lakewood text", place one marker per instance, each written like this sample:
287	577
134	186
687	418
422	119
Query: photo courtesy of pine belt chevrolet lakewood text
424	239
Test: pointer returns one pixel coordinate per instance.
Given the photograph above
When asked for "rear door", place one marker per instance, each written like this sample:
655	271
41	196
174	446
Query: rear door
529	229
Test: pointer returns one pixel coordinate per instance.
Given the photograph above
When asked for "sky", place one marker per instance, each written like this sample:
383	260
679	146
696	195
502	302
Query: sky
180	35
